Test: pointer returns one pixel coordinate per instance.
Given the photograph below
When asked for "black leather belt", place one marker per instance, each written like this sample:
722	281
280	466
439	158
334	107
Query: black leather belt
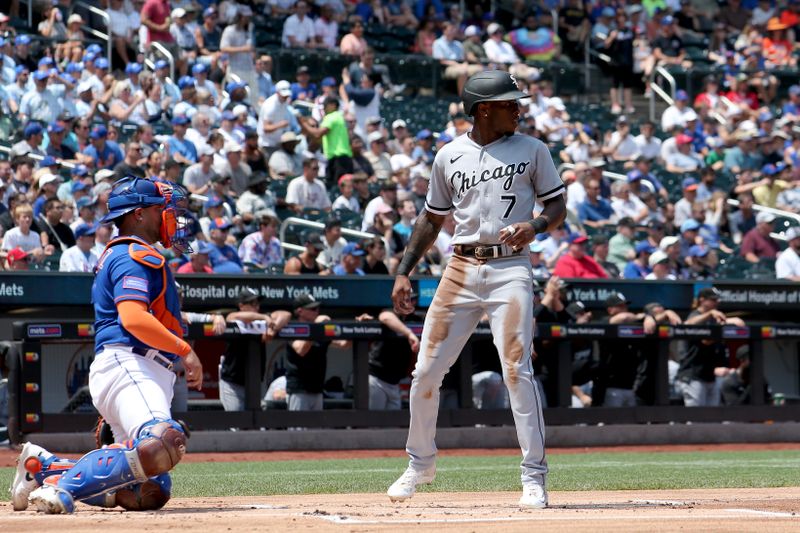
157	357
484	252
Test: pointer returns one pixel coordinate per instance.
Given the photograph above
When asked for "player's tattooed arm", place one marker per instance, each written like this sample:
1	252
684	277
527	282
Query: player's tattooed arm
426	229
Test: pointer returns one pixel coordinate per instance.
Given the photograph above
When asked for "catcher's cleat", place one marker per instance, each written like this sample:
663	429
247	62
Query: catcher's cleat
29	463
406	485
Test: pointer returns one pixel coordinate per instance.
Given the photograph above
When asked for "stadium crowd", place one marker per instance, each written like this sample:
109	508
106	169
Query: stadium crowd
646	200
254	150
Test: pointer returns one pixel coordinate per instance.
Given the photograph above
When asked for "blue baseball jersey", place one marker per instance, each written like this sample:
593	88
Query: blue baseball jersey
131	269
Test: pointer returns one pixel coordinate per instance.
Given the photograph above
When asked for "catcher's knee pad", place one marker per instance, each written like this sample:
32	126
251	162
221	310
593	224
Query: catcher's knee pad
151	495
160	446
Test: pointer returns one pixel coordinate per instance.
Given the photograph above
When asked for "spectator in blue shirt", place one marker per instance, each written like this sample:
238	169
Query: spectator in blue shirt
791	109
223	257
639	267
303	89
104	153
350	263
181	149
642	173
595	211
424	149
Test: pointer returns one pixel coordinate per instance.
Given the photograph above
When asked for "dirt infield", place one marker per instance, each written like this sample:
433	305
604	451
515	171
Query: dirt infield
8	456
673	510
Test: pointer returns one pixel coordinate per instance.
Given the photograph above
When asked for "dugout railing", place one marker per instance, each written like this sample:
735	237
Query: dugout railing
26	387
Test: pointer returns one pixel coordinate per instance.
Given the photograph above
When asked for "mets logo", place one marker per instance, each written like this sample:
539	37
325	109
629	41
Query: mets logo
332	330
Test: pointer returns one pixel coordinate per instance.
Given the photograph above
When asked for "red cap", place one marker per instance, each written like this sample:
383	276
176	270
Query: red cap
344	177
682	138
17	254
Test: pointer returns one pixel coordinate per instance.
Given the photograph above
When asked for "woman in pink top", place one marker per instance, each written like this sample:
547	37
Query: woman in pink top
354	44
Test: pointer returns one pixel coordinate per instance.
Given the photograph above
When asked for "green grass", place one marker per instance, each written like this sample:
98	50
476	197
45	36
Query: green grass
589	471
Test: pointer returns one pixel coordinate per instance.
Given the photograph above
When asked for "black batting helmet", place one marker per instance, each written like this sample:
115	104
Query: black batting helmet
489	86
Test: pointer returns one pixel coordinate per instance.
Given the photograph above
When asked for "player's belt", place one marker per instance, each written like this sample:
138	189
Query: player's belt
153	355
485	252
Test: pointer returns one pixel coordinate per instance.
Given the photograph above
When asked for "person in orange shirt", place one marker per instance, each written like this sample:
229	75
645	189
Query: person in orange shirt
776	48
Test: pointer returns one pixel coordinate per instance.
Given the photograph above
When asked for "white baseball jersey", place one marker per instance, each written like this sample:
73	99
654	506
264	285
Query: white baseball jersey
492	186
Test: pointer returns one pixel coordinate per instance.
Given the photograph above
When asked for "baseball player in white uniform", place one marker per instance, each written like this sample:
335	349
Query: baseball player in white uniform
490	178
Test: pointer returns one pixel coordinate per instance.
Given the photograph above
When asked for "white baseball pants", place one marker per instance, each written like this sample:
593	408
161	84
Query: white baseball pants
129	390
468	289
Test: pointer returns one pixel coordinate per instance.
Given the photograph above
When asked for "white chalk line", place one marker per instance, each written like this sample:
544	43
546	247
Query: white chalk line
541	516
763	513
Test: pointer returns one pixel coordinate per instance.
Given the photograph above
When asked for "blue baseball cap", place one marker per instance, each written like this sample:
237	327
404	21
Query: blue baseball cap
698	251
329	82
688	183
179	120
681	95
161	63
78	186
94	48
352	248
220	223
644	246
46	61
88	57
214	201
202	247
49	161
207	12
133	68
444	138
80	170
769	170
228	115
690	225
608	12
634	175
185	82
85	230
101	62
233	85
199	68
424	134
129	194
40	75
32	128
54	127
22	39
99	132
73	67
667	20
19	69
69	79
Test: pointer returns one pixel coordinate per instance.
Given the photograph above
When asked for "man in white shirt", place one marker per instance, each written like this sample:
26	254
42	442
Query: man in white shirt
326	28
788	264
308	191
333	244
499	51
649	146
388	196
376	155
450	53
286	162
81	257
197	178
298	30
679	113
551	123
274	118
622	146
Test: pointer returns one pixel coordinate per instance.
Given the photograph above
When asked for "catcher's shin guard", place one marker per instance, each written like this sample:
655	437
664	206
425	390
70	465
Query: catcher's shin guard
160	446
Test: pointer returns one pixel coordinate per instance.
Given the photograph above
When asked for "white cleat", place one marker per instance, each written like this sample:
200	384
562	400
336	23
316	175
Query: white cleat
533	496
50	499
406	485
29	460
